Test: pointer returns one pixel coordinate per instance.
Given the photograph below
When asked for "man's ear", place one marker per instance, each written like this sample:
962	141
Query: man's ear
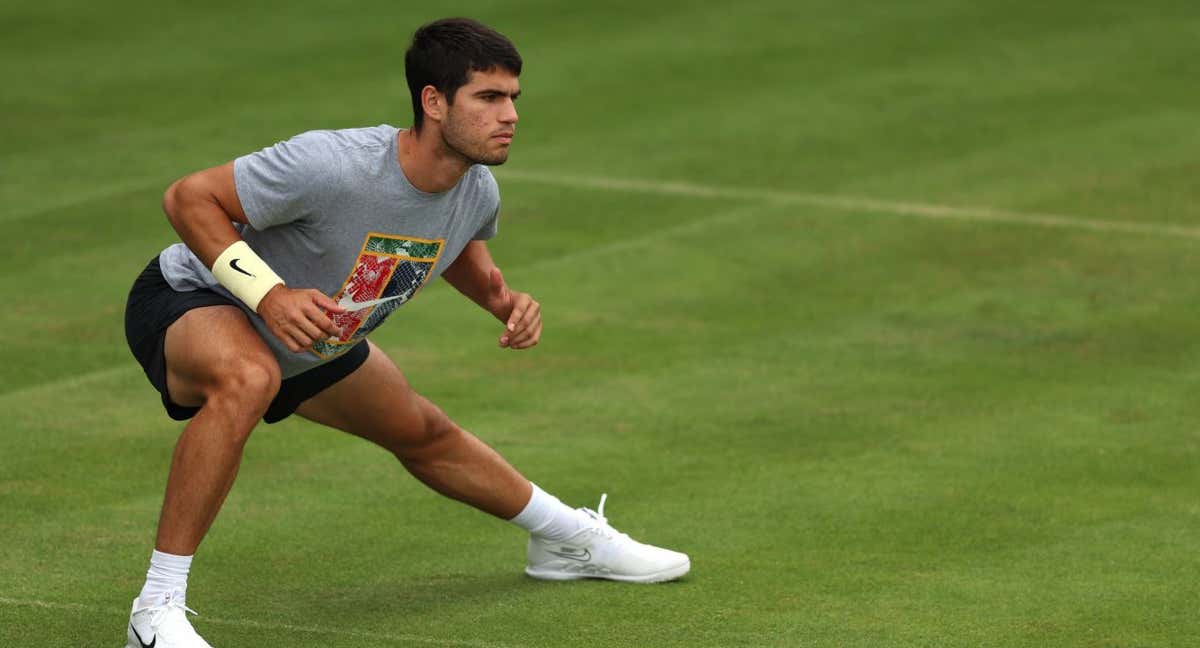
434	103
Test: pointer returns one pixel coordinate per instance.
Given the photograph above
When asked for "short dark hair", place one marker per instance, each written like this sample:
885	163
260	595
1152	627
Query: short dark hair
445	52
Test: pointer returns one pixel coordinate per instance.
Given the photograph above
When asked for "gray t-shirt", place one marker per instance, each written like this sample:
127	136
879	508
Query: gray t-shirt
332	210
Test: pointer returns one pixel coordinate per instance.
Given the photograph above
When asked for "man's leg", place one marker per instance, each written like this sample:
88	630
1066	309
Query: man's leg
377	403
216	361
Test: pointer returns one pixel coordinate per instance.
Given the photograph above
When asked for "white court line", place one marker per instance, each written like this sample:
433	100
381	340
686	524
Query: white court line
261	625
851	203
726	217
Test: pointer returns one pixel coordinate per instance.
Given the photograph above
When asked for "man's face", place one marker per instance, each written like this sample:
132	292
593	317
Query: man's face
480	124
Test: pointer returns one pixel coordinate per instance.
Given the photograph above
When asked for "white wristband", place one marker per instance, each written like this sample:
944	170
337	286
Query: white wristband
247	276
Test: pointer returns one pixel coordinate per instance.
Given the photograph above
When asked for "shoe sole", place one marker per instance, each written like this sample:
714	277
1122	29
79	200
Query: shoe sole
657	577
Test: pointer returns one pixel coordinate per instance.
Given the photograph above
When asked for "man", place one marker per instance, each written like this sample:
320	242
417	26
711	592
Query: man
236	323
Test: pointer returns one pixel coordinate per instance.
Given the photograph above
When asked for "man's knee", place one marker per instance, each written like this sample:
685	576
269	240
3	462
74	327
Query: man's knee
215	358
255	380
427	431
244	387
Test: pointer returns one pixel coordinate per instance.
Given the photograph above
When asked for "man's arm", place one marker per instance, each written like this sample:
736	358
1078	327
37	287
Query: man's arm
202	208
475	275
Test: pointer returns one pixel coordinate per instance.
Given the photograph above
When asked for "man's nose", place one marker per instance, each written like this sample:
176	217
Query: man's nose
509	115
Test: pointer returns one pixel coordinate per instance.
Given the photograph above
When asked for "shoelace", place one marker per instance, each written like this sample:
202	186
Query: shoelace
602	526
173	600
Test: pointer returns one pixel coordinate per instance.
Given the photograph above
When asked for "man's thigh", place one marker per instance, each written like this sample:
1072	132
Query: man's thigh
204	345
375	403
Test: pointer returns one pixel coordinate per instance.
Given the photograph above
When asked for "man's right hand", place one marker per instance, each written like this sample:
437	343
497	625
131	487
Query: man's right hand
299	317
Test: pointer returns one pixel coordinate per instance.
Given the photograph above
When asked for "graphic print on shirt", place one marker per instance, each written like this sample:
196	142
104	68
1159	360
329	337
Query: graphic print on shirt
389	272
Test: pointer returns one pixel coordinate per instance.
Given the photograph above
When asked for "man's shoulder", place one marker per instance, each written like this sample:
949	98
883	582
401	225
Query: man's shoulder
483	182
351	152
350	139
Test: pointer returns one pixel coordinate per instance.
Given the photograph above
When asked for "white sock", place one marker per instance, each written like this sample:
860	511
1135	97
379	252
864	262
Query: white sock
546	517
167	572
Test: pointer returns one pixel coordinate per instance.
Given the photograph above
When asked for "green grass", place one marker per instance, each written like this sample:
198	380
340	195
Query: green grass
867	428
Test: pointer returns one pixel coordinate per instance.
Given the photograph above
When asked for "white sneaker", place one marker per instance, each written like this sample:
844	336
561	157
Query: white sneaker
600	551
163	626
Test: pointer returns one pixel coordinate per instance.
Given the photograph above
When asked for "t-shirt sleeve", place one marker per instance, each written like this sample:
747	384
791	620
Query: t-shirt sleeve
491	197
488	229
287	181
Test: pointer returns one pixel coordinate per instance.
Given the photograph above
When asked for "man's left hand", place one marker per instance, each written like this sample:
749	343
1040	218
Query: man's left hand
520	312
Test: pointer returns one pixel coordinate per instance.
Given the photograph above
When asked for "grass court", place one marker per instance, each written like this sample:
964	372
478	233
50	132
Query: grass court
886	313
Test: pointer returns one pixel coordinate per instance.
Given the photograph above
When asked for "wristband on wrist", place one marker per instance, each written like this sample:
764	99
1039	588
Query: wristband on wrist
246	275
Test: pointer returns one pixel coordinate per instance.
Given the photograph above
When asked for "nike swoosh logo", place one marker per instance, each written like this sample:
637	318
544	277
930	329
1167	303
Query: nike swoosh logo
233	264
139	638
573	555
349	304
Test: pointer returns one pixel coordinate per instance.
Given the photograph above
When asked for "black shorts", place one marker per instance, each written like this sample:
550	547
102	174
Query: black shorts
153	306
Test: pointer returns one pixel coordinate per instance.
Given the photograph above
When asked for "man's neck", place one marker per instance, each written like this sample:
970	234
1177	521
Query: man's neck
426	162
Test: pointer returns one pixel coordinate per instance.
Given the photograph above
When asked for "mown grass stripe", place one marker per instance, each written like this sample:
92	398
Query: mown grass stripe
402	639
71	200
930	211
101	375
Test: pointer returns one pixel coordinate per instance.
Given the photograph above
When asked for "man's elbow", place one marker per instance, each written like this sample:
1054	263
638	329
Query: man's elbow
172	200
182	197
